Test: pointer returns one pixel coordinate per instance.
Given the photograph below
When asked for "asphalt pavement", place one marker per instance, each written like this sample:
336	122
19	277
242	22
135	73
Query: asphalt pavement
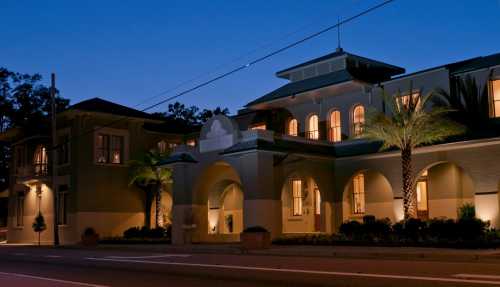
32	266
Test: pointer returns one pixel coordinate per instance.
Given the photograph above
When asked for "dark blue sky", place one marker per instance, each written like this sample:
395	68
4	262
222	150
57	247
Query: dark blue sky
128	51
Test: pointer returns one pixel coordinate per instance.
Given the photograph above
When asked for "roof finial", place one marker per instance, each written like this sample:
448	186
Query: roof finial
339	47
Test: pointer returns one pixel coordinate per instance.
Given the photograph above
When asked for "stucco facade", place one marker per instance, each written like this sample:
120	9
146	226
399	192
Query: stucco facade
308	182
97	194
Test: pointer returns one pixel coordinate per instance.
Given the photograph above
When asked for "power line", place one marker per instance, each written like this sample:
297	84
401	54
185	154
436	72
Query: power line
242	67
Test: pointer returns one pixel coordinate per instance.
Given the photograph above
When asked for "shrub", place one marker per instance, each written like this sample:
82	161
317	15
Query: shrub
351	229
132	232
89	231
467	211
144	232
255	229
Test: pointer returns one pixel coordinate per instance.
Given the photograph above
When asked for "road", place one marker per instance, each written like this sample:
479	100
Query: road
31	266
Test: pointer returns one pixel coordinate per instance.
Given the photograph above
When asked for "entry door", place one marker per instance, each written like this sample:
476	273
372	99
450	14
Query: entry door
317	210
422	199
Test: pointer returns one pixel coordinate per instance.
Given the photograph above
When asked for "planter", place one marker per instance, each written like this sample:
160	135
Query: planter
256	240
90	240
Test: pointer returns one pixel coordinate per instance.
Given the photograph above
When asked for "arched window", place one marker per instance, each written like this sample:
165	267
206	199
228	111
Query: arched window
335	130
293	127
40	160
358	120
313	127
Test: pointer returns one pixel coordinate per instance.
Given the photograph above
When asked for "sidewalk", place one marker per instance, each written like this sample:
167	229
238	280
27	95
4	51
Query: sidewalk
399	253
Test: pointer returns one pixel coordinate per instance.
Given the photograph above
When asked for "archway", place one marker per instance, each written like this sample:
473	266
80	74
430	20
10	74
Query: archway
219	195
302	210
368	192
442	188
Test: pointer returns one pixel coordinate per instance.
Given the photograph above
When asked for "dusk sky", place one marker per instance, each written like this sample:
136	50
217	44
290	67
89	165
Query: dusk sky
130	51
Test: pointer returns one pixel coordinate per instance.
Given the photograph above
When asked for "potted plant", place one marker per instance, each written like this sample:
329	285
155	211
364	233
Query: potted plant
90	237
255	237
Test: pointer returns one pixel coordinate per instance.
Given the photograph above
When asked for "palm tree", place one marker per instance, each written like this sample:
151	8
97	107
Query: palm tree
409	125
468	99
152	179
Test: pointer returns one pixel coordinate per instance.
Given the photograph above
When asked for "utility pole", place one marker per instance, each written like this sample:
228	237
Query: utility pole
53	155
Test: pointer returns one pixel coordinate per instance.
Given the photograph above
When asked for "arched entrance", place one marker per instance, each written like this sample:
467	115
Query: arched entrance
219	195
442	188
301	205
225	208
368	192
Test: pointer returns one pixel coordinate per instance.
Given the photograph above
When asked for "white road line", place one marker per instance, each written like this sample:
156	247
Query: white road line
148	257
301	271
53	256
51	279
484	276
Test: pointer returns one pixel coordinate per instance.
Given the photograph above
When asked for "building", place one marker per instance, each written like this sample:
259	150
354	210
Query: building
97	139
291	161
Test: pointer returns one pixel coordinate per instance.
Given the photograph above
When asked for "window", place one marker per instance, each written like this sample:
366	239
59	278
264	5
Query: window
40	161
63	150
358	194
172	145
313	127
297	197
293	128
109	149
405	100
358	120
422	190
261	126
192	142
162	147
20	209
62	205
335	130
495	88
317	201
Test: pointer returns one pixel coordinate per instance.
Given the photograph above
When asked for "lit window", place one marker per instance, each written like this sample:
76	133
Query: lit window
358	120
20	209
172	145
496	98
109	149
293	128
192	142
116	149
422	191
162	146
335	129
317	202
260	126
297	197
313	127
62	205
358	194
405	100
41	161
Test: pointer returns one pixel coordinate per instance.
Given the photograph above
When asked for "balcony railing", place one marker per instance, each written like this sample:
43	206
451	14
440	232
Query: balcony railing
33	170
312	135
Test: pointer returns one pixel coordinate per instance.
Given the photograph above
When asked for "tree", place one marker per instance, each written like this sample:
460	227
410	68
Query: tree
152	180
24	104
39	225
468	100
410	124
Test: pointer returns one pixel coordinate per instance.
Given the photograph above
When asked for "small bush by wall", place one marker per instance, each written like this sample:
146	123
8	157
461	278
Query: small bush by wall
465	232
